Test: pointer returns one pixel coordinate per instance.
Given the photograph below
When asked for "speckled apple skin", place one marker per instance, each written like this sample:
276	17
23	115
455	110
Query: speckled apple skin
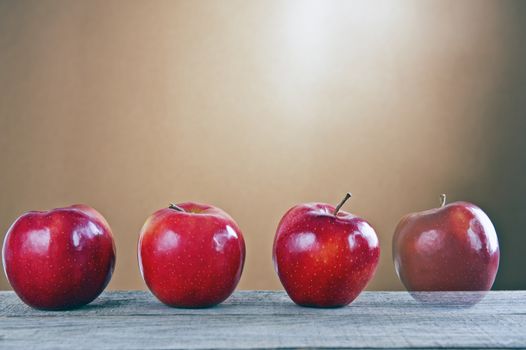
324	260
59	259
452	248
191	259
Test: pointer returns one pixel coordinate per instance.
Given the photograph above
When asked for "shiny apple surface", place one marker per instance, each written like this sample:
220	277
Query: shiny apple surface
322	259
192	256
59	259
452	248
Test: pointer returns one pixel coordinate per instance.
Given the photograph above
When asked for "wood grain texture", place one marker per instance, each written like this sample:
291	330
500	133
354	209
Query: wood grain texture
266	319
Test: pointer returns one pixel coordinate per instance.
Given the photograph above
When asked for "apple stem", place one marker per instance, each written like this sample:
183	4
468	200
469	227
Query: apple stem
442	200
337	209
175	207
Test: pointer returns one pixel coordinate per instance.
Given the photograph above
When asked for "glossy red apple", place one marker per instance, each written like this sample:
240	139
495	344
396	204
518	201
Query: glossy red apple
324	257
191	255
59	259
451	248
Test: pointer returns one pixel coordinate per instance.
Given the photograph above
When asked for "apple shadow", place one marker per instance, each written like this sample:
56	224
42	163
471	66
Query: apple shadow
99	304
448	299
104	304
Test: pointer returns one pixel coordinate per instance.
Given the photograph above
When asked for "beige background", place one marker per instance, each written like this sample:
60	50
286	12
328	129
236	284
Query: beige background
256	106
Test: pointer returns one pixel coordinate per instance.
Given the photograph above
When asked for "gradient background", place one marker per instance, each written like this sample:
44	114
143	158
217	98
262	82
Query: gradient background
256	106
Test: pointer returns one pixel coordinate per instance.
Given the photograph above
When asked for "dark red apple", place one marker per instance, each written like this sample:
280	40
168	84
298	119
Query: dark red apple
451	248
324	257
59	259
191	255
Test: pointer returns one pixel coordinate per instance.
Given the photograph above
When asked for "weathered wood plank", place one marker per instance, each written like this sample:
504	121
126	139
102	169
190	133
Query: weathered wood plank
263	319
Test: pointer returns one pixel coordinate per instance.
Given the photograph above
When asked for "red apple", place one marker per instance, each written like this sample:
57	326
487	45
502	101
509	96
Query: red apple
191	255
324	257
451	248
59	259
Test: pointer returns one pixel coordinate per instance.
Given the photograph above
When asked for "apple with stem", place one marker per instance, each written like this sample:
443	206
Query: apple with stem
450	248
191	255
324	257
59	259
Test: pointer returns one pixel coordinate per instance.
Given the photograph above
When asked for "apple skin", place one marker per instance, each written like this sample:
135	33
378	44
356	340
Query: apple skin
191	258
323	260
59	259
451	248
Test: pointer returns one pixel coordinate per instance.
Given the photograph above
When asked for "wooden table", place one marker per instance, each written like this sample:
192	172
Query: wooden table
264	319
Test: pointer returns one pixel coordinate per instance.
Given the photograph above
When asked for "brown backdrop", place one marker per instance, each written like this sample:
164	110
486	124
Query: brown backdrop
256	106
